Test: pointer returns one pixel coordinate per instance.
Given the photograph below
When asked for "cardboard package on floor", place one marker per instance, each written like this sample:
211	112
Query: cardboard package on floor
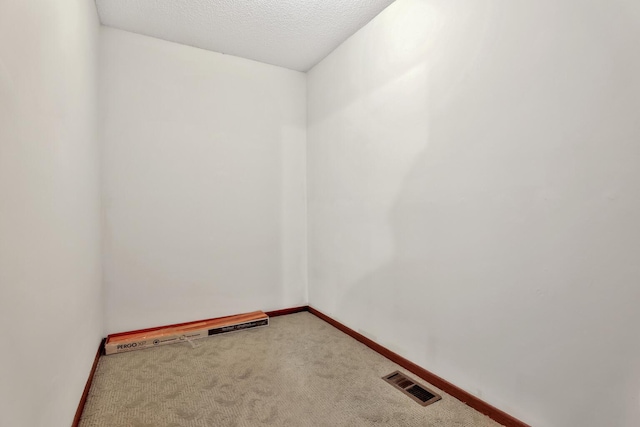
185	332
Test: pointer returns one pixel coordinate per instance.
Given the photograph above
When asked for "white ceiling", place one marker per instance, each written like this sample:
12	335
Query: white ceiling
295	34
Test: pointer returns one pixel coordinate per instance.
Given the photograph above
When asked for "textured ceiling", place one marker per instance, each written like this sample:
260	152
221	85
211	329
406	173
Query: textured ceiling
294	34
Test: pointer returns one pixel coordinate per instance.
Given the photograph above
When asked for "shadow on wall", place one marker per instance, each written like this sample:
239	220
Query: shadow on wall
514	240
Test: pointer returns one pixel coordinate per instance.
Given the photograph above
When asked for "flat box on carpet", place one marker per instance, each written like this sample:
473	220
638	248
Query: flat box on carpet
153	337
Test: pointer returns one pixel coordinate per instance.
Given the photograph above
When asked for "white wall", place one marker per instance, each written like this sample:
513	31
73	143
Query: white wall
204	183
50	277
474	199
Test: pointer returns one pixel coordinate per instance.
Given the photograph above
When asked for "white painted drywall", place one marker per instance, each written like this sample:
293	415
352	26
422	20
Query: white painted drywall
50	277
203	183
474	195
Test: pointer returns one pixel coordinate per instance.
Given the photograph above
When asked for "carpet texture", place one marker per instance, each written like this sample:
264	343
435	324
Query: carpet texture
299	371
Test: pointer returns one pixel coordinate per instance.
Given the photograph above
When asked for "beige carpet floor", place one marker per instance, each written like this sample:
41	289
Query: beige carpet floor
299	371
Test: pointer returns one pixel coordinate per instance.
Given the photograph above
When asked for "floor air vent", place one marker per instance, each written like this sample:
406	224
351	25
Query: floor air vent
420	394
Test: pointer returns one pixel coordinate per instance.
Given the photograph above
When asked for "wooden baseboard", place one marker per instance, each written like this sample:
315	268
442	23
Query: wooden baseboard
87	386
492	412
286	311
274	313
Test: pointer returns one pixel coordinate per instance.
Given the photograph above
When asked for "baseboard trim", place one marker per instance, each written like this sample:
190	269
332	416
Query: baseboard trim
274	313
481	406
87	386
286	311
